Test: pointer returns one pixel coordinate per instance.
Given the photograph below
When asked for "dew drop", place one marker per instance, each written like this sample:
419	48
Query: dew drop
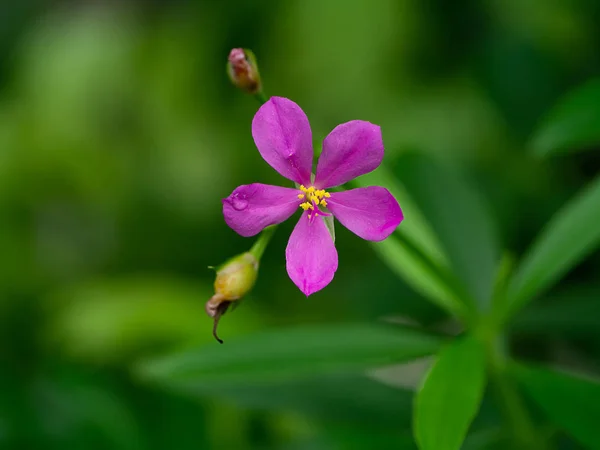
239	204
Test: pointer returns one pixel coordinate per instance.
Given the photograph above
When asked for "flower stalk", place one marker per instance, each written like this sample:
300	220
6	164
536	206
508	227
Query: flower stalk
262	242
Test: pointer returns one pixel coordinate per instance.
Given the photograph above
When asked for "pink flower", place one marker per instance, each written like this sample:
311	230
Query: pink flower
284	139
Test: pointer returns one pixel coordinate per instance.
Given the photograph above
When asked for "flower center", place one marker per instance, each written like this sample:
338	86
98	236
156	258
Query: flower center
313	198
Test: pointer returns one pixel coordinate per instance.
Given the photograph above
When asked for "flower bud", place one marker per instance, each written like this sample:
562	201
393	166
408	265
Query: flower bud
235	278
243	70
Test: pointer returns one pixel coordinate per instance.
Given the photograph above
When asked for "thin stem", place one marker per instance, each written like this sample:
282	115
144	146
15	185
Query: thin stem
511	402
261	243
261	97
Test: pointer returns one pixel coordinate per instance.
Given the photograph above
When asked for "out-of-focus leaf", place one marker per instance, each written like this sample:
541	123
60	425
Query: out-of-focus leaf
486	439
459	217
450	396
18	417
109	320
359	438
420	273
76	64
570	235
573	124
292	353
571	401
571	312
169	417
414	227
88	413
334	399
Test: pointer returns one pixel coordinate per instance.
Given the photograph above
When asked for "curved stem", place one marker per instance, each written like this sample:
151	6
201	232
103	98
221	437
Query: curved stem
512	404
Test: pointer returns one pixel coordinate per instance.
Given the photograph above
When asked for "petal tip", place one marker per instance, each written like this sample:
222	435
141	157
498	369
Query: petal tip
282	134
309	289
311	257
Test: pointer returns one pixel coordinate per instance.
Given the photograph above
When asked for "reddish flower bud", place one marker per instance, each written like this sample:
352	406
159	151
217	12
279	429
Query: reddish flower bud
243	70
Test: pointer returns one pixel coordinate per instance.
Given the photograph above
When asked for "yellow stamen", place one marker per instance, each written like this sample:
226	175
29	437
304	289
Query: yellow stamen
314	198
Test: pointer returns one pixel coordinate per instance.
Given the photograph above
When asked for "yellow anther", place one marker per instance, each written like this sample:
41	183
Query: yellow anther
314	197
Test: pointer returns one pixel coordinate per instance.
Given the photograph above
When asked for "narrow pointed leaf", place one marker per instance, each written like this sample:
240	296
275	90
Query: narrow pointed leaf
573	124
450	396
293	353
571	235
414	227
421	274
350	399
459	216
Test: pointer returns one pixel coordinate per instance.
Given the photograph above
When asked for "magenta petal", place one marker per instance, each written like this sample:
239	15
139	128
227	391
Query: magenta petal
283	137
350	150
252	207
372	213
311	257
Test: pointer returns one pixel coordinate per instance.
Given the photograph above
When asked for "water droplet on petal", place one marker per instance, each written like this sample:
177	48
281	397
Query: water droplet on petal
239	204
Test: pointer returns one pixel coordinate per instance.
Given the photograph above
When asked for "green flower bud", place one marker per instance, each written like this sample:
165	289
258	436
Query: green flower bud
243	70
235	278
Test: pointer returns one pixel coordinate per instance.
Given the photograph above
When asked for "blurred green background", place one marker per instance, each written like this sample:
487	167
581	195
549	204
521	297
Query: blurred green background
119	135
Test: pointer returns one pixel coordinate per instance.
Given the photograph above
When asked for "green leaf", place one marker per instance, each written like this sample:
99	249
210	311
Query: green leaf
109	320
360	439
293	353
570	312
486	439
450	396
569	400
570	236
342	399
414	228
414	251
85	407
573	124
420	273
460	218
